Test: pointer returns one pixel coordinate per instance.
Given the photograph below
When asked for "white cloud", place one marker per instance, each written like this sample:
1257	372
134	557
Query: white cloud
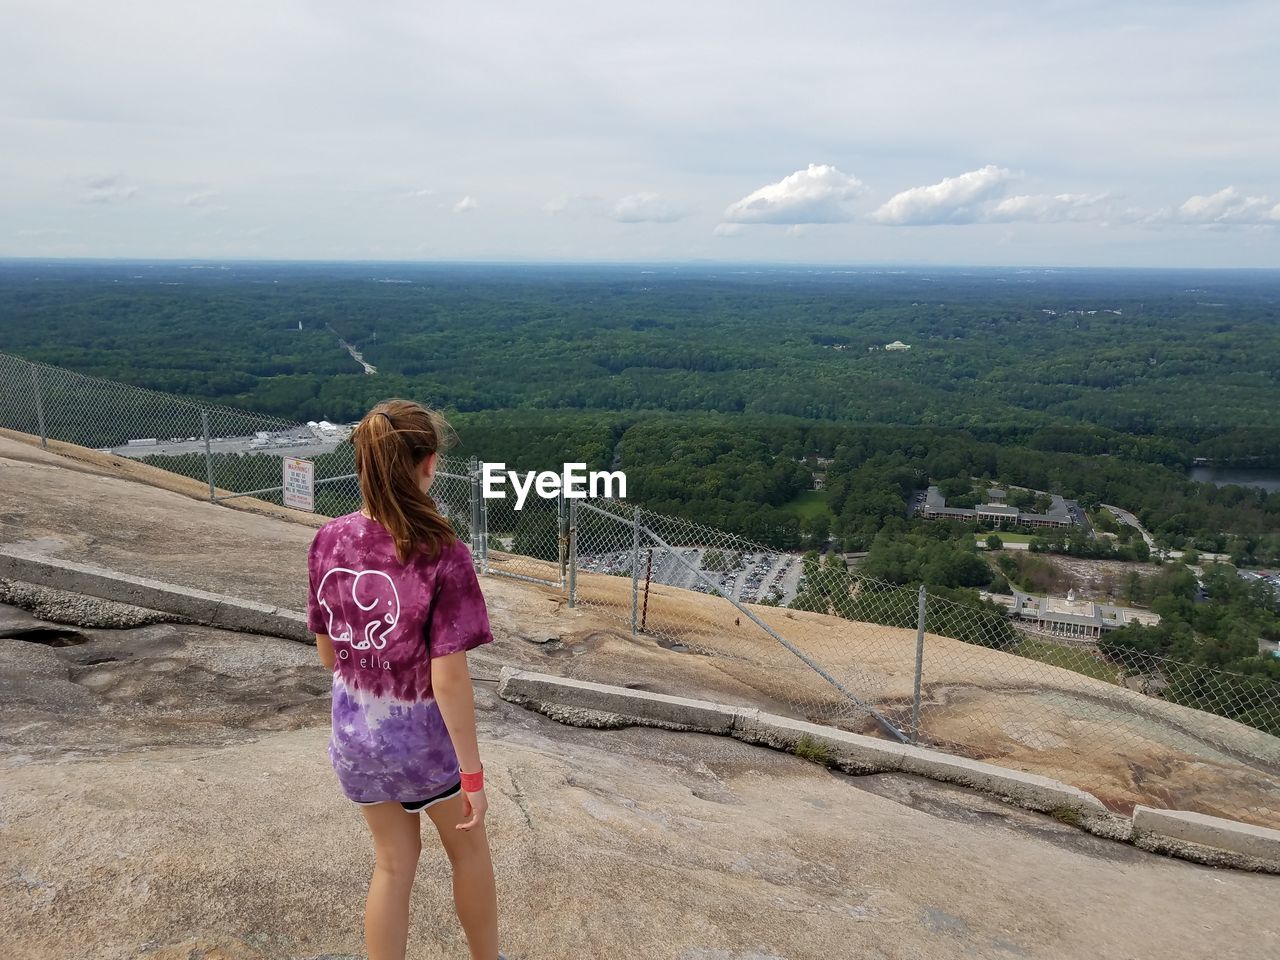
308	123
951	200
646	208
819	194
1052	208
1225	206
108	190
728	230
202	198
465	205
576	204
425	193
204	203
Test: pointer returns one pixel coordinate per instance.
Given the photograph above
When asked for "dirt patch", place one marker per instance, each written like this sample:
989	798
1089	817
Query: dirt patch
1106	581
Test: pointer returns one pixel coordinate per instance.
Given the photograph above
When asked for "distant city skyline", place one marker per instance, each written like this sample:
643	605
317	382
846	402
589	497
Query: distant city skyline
1064	133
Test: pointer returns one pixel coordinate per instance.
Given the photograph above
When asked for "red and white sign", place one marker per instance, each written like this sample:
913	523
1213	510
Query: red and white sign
299	484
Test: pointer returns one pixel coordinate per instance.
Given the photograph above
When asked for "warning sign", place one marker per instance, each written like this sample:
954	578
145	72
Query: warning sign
299	484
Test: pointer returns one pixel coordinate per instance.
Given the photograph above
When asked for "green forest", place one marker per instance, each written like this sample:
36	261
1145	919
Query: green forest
758	400
1188	363
722	391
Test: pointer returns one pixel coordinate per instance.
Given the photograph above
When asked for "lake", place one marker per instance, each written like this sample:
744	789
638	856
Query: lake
1268	480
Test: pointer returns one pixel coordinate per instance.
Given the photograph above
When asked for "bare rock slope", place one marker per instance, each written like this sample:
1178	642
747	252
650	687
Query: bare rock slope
164	793
1123	747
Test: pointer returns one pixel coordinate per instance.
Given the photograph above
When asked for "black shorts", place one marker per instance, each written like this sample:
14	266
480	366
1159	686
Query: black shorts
417	806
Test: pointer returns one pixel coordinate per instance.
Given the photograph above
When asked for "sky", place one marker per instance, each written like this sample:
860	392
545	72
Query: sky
1029	132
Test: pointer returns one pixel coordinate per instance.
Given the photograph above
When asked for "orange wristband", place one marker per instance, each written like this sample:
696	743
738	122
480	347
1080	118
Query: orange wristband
473	782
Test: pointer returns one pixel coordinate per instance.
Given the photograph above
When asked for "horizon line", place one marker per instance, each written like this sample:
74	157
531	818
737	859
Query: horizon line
773	264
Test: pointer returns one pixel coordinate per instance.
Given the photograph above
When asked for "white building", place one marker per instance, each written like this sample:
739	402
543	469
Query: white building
1072	619
993	512
897	345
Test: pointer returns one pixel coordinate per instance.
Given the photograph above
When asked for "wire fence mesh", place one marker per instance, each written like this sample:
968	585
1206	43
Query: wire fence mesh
801	635
528	543
451	491
20	405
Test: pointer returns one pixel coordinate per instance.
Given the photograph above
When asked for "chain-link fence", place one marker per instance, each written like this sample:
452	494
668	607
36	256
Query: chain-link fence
812	638
529	543
233	453
795	634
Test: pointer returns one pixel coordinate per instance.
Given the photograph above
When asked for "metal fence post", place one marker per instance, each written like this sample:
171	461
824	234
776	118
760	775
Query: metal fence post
648	576
208	454
573	552
484	519
474	475
915	697
35	382
635	571
562	536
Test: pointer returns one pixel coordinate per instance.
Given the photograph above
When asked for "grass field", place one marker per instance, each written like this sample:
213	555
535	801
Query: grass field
810	504
1005	537
1069	658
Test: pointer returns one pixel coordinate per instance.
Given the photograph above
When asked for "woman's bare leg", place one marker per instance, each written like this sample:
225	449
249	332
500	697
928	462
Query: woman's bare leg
397	841
474	895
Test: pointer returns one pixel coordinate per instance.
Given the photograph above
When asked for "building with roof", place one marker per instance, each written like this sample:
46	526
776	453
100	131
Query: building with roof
897	345
996	511
1072	619
935	508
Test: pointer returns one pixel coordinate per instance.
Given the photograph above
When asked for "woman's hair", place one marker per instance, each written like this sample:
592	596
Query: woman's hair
390	444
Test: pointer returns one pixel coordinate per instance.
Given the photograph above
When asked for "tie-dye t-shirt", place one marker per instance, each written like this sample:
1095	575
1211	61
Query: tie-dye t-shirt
387	620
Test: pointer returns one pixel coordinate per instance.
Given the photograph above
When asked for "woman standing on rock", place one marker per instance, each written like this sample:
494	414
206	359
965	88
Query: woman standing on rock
395	604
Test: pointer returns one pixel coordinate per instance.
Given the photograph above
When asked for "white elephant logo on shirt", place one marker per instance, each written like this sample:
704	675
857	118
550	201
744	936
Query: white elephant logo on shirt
374	593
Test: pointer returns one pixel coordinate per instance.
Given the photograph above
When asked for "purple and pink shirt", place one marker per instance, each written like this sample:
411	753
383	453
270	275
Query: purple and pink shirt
387	620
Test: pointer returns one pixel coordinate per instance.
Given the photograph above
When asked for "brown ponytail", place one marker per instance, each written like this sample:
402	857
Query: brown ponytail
390	444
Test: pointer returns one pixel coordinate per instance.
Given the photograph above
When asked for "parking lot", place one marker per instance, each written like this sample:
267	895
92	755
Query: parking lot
750	577
300	442
1271	577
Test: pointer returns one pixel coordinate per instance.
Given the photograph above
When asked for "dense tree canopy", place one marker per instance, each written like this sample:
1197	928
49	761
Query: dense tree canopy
720	391
728	395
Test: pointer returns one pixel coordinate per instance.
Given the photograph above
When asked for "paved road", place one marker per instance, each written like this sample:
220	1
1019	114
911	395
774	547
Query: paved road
1080	517
1124	516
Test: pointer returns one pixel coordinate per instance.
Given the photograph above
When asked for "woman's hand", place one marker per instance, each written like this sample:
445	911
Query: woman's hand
474	806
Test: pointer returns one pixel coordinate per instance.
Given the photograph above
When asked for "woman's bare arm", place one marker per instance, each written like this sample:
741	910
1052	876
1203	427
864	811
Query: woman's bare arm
324	648
451	685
